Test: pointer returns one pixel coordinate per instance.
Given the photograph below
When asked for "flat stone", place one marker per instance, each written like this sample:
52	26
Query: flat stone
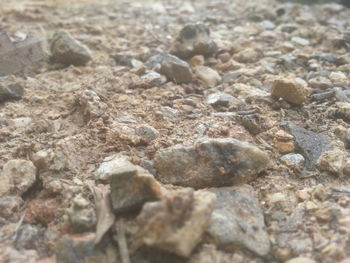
21	175
175	69
110	166
68	51
177	223
238	220
291	90
310	144
194	40
219	99
210	163
131	187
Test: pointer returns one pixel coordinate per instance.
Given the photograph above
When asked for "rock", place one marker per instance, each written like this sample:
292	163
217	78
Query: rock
300	41
42	211
207	75
125	58
238	220
301	260
219	99
320	83
177	223
291	90
319	192
267	25
293	160
152	79
68	51
194	40
175	69
10	205
248	55
131	187
210	162
110	166
340	110
147	133
10	91
283	142
169	113
82	220
309	144
20	174
332	161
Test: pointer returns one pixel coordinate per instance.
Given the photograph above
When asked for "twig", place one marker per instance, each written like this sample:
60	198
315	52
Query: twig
123	246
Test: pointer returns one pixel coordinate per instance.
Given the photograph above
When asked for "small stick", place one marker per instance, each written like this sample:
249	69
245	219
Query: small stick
123	246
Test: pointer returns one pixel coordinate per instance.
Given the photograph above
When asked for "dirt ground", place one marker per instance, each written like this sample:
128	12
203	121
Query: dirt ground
80	115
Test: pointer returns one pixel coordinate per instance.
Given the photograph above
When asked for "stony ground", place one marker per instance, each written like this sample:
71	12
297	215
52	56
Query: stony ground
177	131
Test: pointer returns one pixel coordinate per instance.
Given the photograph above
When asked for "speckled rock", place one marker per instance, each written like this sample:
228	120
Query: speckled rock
291	90
219	99
332	161
18	175
293	160
210	162
177	223
238	220
68	51
131	187
109	166
194	40
175	69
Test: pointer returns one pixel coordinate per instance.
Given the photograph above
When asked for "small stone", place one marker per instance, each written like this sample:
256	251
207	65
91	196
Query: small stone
207	75
267	25
277	198
320	83
171	114
319	192
310	144
283	142
196	61
219	99
300	41
301	260
125	58
68	51
109	166
131	187
42	211
238	220
147	133
291	90
303	194
248	55
10	91
21	175
194	40
210	162
293	160
332	161
340	110
177	223
21	122
152	79
175	69
10	205
82	220
338	77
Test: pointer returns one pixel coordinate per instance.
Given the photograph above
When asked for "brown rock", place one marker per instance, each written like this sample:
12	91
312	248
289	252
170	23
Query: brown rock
291	90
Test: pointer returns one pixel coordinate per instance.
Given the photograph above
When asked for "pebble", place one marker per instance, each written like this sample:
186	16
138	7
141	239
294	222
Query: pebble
283	142
238	220
210	163
68	51
208	76
177	223
17	177
131	187
300	41
293	160
147	133
309	144
194	39
125	58
219	99
320	83
291	90
175	69
10	91
332	161
152	79
109	166
248	55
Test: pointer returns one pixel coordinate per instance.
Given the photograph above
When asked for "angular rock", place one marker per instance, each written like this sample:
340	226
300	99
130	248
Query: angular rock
207	75
177	223
110	166
194	40
210	162
10	91
332	161
291	90
175	69
21	175
238	220
147	133
219	99
283	142
294	160
310	144
152	79
131	187
68	51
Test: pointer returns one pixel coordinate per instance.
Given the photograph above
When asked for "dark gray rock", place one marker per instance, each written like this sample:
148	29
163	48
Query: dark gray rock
310	144
10	91
238	220
131	187
210	163
194	40
176	69
68	51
